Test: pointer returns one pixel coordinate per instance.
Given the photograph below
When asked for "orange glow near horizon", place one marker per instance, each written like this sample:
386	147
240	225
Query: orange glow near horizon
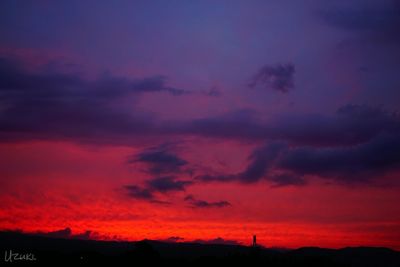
269	235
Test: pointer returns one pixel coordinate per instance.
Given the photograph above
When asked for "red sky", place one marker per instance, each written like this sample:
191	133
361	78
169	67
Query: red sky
63	185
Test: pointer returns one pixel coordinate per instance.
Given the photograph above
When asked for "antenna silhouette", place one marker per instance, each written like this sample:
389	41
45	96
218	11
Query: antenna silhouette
254	241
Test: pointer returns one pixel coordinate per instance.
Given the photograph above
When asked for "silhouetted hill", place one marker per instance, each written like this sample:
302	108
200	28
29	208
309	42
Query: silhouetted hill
49	250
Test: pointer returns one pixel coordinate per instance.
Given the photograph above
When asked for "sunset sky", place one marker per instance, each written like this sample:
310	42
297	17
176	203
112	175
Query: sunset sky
202	120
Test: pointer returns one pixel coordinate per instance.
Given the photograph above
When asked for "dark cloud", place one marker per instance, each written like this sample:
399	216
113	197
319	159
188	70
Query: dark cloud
279	77
167	183
51	104
367	149
139	192
286	179
196	203
262	163
379	22
15	79
358	163
143	193
54	105
154	186
160	160
218	241
351	124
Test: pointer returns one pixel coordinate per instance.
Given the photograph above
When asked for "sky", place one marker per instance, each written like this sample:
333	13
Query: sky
207	121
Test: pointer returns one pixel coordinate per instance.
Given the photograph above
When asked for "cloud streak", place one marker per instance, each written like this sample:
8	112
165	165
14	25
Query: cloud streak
197	203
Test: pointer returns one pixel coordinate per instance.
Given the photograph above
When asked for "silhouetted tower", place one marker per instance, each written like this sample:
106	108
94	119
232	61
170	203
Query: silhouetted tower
254	240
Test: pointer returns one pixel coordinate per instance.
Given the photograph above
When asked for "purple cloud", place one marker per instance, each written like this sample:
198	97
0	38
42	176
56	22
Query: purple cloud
279	77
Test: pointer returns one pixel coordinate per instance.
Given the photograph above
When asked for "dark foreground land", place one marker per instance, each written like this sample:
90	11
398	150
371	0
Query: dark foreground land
73	252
